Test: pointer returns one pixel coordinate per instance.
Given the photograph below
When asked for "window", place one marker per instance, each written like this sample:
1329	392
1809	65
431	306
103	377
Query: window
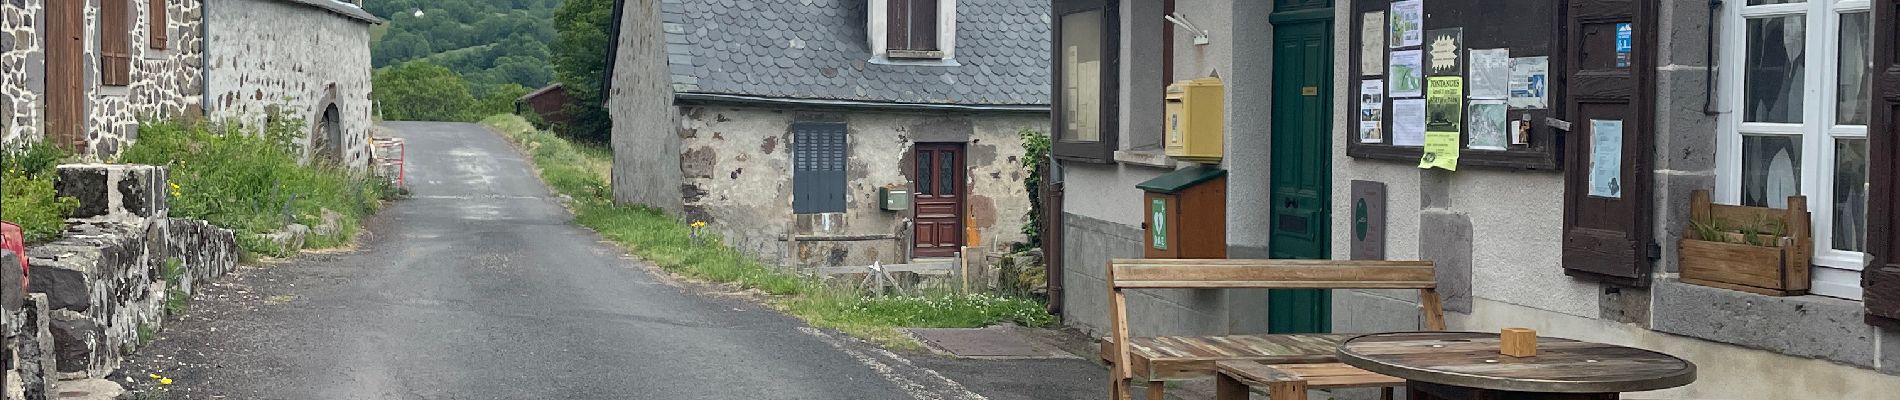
912	25
1801	100
913	30
160	30
1085	84
115	42
818	157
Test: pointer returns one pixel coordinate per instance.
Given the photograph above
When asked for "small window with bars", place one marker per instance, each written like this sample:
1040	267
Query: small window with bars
819	154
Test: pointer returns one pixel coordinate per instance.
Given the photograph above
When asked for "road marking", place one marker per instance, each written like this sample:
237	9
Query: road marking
922	383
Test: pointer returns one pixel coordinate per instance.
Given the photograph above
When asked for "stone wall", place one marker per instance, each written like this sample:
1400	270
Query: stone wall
164	82
257	64
736	162
640	102
106	279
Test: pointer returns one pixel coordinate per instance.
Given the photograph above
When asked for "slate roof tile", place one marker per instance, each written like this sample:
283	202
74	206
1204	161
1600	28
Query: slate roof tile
816	49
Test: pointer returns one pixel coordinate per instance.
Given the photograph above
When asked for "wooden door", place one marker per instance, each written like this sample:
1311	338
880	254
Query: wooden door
65	75
1302	167
1608	57
937	209
1880	283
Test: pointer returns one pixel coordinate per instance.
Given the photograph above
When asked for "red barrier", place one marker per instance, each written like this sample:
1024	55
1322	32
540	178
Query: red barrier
11	238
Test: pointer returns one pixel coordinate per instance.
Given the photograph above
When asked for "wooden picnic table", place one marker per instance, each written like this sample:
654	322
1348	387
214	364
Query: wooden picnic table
1468	366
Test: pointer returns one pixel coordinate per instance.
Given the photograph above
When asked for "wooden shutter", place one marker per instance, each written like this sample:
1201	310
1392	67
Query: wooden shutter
1608	235
1880	282
911	25
65	75
818	171
159	26
115	42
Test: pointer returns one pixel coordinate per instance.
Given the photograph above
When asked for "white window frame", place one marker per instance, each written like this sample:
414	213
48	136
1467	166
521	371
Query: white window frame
877	25
1836	273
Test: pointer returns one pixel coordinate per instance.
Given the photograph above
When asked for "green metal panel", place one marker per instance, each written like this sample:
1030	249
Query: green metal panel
1181	179
1302	168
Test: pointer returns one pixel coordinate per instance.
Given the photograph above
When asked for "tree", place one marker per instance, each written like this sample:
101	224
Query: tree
583	35
420	91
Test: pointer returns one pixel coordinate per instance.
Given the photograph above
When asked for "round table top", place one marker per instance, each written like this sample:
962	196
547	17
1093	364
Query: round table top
1471	359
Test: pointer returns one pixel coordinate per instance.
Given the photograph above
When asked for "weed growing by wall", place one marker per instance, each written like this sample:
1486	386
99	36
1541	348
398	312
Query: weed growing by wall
26	189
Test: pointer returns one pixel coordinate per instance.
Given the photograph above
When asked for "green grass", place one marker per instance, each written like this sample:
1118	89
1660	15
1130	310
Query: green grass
251	181
582	172
176	301
26	188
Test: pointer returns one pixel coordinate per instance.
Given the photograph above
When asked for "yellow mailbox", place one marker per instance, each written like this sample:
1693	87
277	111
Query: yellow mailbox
1195	121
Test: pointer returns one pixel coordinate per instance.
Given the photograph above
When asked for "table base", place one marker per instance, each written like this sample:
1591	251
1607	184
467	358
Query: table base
1417	390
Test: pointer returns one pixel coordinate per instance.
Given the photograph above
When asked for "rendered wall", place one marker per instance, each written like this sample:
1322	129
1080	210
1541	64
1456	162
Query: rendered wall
295	58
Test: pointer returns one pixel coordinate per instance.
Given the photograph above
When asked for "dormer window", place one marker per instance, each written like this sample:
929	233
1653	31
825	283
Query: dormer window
913	29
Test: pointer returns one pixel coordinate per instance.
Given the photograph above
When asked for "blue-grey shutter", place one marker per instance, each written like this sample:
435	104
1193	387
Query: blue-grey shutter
818	170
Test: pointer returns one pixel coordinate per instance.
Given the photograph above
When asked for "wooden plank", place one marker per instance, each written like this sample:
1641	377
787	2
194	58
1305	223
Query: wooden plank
1733	264
1209	273
1434	309
1471	360
1330	284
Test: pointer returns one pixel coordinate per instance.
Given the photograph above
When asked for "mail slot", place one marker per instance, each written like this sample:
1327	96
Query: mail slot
1185	214
893	199
1195	120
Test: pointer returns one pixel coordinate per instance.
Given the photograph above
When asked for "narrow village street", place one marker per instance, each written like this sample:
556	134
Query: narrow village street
478	287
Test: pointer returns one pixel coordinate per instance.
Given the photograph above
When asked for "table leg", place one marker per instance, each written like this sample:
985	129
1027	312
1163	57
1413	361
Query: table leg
1416	390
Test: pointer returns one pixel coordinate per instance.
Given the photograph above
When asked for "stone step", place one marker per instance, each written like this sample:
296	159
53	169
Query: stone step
87	389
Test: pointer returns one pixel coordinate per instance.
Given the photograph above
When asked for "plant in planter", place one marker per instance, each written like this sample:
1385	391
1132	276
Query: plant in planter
1752	249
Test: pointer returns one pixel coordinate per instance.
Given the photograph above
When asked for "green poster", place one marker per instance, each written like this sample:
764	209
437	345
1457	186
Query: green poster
1441	151
1159	229
1444	104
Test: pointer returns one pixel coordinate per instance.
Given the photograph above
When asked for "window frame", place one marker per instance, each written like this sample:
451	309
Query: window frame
115	43
880	25
1835	273
1102	150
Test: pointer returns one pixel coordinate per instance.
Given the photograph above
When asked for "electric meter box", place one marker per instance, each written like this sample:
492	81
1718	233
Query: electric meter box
1195	120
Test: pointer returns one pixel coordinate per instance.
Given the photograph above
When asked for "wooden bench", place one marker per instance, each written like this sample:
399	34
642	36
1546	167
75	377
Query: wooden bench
1168	358
1238	379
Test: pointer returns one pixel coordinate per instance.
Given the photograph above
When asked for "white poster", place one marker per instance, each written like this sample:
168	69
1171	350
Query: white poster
1487	125
1371	110
1406	74
1408	122
1530	83
1372	51
1606	158
1490	74
1408	24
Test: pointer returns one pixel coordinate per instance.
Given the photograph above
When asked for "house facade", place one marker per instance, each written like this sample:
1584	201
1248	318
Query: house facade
1578	159
831	133
121	60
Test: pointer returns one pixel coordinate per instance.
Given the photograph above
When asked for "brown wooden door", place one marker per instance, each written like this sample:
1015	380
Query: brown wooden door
1881	280
1608	57
938	206
65	74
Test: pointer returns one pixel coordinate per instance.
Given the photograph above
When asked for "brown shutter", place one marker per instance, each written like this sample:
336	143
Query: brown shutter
1608	237
923	25
1881	280
160	21
897	24
65	76
115	42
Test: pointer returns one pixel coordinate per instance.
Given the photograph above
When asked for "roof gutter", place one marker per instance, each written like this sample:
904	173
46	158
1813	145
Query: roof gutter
866	105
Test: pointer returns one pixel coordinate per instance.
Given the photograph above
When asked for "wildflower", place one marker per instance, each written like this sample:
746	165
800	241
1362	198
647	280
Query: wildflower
155	376
699	224
164	381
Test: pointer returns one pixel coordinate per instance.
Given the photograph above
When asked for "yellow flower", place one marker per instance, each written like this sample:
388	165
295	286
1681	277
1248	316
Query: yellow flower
174	186
164	381
155	376
699	224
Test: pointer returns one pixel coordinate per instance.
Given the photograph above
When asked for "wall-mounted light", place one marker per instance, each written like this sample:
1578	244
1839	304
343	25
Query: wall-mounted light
1200	35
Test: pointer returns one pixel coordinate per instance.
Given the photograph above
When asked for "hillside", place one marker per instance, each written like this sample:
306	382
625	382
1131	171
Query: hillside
490	43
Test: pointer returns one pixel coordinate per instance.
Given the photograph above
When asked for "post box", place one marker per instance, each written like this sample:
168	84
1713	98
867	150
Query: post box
893	199
1196	120
1185	214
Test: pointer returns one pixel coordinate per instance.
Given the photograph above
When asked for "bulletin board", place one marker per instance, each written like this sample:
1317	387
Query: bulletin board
1437	38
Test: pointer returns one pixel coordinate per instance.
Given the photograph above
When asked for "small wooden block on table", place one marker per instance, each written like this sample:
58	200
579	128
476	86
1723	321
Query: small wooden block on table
1468	365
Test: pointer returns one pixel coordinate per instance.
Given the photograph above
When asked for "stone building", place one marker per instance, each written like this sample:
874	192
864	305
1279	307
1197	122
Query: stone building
1802	94
773	120
224	59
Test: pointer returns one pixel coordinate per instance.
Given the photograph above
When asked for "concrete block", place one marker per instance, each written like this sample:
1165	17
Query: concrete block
1672	211
78	342
1690	142
1889	351
1684	34
1445	240
1805	326
88	185
113	192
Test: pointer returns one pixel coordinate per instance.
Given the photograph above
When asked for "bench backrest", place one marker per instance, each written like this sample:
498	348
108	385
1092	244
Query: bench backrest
1271	274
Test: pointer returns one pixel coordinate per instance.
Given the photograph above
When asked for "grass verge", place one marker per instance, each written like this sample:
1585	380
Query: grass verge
582	172
251	181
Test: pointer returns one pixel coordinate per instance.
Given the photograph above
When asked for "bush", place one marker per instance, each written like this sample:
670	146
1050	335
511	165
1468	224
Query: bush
250	181
26	181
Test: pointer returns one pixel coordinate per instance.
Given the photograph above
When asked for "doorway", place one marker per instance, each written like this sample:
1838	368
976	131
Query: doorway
938	190
1301	188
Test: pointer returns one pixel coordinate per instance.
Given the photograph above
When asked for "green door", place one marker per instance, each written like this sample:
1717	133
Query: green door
1301	164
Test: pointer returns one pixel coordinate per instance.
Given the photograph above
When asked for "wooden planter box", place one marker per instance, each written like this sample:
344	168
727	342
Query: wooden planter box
1778	268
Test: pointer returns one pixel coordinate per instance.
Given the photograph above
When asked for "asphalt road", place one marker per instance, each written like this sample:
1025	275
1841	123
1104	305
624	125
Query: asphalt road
478	287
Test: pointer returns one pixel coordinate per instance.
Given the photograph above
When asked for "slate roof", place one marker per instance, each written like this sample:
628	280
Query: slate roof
816	50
